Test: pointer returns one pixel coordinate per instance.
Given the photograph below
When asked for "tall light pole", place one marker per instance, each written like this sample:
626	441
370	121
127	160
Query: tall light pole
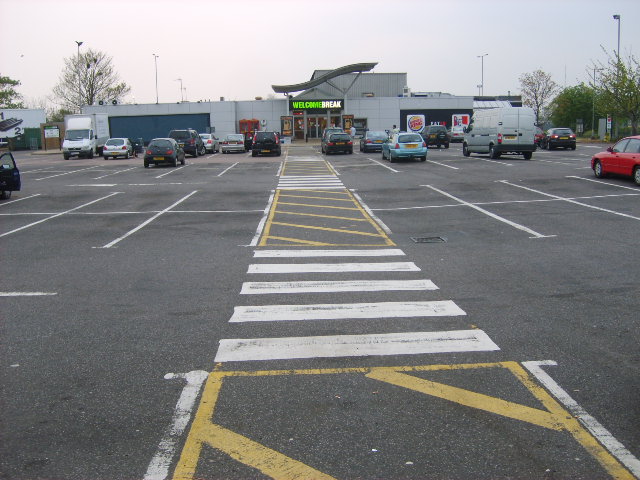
593	118
181	96
617	17
481	57
78	69
155	58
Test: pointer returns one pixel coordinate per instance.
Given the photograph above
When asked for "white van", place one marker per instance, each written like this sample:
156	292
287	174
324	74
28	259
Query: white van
501	130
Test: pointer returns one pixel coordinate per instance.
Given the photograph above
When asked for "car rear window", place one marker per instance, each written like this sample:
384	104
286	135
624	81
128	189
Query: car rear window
563	131
160	144
339	137
265	135
377	135
179	134
205	136
409	138
437	128
115	141
235	136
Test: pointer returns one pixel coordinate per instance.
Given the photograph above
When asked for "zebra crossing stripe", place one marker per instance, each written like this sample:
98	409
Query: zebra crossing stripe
409	343
379	252
341	311
333	267
259	288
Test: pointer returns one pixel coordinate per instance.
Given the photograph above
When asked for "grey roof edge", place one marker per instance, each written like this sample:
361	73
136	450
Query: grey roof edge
353	68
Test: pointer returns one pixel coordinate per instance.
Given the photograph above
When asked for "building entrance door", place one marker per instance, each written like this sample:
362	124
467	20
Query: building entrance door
315	125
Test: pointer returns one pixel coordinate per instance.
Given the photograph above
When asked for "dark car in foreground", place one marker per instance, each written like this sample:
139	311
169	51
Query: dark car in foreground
163	150
266	143
559	138
371	141
621	159
339	142
325	136
9	175
436	135
189	141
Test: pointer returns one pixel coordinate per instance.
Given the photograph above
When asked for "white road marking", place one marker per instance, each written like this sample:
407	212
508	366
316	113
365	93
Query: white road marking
332	267
383	165
260	288
172	171
337	311
380	252
115	173
443	165
143	224
602	183
158	469
492	215
19	199
26	294
371	214
571	201
59	214
616	448
409	343
494	161
68	173
226	169
263	220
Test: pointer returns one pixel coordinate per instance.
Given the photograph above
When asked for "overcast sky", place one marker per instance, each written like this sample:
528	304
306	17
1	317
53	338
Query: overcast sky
238	49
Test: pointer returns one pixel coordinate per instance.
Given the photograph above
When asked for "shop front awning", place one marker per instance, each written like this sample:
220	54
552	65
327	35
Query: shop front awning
298	87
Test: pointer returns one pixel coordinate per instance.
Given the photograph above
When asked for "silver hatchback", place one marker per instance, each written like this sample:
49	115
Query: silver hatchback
117	147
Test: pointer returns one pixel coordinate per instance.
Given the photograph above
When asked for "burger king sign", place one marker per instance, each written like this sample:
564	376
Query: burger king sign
415	123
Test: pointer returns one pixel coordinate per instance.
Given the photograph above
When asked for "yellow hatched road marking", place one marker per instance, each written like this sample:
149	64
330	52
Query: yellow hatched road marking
327	229
283	212
278	466
318	198
316	206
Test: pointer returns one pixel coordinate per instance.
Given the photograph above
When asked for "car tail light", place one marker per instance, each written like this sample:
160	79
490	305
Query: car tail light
424	144
331	144
148	152
124	147
208	141
397	145
554	136
368	141
169	152
192	142
350	143
224	142
572	136
499	138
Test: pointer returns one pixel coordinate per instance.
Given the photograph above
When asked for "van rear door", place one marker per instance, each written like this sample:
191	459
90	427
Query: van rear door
510	128
526	126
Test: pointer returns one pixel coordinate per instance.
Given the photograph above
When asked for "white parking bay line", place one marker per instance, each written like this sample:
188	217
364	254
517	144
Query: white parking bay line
227	169
172	171
260	288
333	267
59	214
131	232
533	233
336	311
381	252
409	343
68	173
26	294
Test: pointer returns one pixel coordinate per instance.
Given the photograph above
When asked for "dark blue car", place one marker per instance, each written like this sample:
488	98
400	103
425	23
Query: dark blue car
9	175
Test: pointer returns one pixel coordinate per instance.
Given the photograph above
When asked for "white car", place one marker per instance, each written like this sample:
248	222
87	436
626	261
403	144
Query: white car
211	143
117	147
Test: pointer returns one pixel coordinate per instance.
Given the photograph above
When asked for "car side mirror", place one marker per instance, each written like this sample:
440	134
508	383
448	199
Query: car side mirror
610	149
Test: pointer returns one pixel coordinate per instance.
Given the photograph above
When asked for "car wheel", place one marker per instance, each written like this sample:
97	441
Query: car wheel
66	157
423	159
391	159
4	195
527	155
203	151
183	161
128	155
549	147
599	172
465	150
636	175
573	147
106	158
351	151
492	152
146	164
254	153
90	154
174	162
446	145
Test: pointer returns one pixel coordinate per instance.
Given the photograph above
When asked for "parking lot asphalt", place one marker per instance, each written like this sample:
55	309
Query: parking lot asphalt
320	316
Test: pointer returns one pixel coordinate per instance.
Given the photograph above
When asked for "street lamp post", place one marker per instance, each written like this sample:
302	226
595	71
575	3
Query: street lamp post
617	17
481	57
78	70
181	95
593	118
155	58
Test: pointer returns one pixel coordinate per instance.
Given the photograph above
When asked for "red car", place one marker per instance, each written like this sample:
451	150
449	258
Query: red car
622	159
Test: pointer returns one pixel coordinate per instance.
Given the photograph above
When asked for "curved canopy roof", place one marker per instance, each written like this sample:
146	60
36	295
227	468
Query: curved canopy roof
356	67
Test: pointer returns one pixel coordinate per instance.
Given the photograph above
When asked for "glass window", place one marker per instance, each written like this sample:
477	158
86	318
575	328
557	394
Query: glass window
410	138
180	134
633	146
620	146
234	136
7	162
377	135
340	137
115	141
161	144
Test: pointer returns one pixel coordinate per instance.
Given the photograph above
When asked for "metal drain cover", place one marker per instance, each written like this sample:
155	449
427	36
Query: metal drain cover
429	239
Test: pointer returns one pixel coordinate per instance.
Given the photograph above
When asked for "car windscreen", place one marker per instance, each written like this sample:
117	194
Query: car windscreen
160	144
339	137
235	137
115	141
377	135
76	134
409	138
205	136
179	134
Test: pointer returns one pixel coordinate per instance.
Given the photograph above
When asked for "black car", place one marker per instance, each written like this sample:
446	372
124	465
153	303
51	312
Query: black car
325	136
9	175
371	141
266	143
339	142
163	150
248	140
436	135
189	140
559	137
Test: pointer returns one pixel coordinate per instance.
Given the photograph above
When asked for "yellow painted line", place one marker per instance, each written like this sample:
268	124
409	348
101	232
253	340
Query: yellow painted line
297	241
267	224
283	212
317	206
469	398
327	229
240	448
344	192
319	198
382	233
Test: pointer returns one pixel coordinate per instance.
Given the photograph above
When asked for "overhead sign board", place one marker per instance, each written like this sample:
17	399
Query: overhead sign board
316	105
